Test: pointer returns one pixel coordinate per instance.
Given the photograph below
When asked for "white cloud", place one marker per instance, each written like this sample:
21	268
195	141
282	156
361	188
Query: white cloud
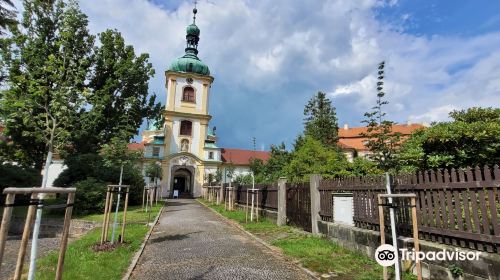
269	57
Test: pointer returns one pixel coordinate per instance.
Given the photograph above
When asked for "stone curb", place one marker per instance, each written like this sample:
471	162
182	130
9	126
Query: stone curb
138	254
275	250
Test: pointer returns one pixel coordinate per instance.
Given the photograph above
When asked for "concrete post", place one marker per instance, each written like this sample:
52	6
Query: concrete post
221	194
315	203
281	221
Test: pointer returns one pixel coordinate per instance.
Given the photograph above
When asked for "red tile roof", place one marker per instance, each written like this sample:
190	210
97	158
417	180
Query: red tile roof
356	131
352	139
136	146
242	157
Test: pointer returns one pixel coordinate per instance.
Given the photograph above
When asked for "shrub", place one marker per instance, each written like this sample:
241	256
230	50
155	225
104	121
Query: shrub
16	176
90	196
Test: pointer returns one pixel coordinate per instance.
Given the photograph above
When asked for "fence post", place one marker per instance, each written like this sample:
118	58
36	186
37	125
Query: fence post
315	202
281	221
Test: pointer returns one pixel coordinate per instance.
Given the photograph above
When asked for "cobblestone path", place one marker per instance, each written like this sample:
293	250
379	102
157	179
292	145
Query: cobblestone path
192	242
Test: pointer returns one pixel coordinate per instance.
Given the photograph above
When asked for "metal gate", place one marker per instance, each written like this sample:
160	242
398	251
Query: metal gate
298	205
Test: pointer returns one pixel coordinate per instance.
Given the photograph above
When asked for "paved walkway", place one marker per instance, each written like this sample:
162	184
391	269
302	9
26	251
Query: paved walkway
192	242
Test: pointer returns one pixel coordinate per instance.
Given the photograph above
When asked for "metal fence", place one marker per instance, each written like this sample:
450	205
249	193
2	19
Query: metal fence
458	207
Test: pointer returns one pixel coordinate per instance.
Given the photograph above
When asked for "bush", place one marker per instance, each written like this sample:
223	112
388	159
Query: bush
90	196
88	172
16	176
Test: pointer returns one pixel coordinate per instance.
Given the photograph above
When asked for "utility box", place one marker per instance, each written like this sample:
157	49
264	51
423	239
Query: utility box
343	208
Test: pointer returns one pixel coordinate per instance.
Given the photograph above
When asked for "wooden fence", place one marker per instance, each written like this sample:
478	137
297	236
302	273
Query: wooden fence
458	207
268	195
298	205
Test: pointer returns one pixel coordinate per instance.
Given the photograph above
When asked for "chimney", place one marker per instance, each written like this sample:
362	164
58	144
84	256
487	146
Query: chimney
346	127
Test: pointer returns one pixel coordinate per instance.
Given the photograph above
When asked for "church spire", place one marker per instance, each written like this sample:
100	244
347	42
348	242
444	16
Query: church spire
192	35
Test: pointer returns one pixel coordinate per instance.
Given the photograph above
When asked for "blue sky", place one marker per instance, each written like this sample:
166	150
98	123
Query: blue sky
269	57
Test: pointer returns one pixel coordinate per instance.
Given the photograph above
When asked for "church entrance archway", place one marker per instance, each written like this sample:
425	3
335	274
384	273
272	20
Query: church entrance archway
182	180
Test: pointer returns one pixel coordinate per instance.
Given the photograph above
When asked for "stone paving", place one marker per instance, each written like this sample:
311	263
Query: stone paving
192	242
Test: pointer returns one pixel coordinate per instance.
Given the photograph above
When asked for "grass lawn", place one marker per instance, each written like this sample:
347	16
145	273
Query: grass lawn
82	262
134	215
317	254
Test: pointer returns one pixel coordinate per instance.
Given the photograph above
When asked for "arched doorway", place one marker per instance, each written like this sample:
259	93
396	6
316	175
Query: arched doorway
182	180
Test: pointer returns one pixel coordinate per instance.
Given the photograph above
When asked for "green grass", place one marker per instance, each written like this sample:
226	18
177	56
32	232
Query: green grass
134	215
82	262
315	253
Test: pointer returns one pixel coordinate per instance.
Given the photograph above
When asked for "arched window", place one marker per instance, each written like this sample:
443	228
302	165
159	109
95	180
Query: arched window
186	127
188	95
185	145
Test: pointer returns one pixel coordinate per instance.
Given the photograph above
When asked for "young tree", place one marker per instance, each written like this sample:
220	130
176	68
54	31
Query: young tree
320	120
47	61
116	153
382	141
230	169
279	158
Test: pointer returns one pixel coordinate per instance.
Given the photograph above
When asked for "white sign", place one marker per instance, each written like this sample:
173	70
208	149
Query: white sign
343	208
176	193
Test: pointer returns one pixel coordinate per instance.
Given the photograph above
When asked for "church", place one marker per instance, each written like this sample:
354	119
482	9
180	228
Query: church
186	146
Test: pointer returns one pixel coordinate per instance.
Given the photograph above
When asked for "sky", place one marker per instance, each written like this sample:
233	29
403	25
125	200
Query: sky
270	57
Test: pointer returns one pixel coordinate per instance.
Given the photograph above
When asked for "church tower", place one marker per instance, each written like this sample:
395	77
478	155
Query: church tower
189	145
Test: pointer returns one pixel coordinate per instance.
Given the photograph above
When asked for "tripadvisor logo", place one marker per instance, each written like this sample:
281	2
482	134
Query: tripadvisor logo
385	255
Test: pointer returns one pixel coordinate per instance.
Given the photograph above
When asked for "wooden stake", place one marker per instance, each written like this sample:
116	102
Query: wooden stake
24	241
414	221
65	234
110	208
246	210
4	228
103	234
382	229
124	216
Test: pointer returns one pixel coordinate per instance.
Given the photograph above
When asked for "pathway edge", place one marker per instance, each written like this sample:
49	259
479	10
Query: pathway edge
138	254
273	249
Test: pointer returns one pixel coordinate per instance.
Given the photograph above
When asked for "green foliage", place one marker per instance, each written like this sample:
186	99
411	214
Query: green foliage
230	168
243	179
278	159
456	271
116	153
88	172
19	177
47	59
473	138
363	167
218	176
382	141
118	94
90	196
320	120
153	170
314	158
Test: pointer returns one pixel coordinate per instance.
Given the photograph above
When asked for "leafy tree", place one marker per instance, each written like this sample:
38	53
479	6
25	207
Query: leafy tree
218	175
17	176
279	158
118	86
116	153
7	16
230	169
382	141
153	170
472	138
363	167
243	179
320	120
314	158
47	59
89	174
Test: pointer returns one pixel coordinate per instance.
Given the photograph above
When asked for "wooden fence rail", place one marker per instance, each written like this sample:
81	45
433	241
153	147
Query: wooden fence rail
458	207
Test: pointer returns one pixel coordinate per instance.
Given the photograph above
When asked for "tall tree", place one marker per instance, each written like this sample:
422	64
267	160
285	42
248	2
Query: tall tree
278	159
118	87
382	141
320	121
47	61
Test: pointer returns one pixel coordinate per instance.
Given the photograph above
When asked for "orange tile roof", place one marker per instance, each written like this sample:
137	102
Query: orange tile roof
356	131
136	146
242	157
352	139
